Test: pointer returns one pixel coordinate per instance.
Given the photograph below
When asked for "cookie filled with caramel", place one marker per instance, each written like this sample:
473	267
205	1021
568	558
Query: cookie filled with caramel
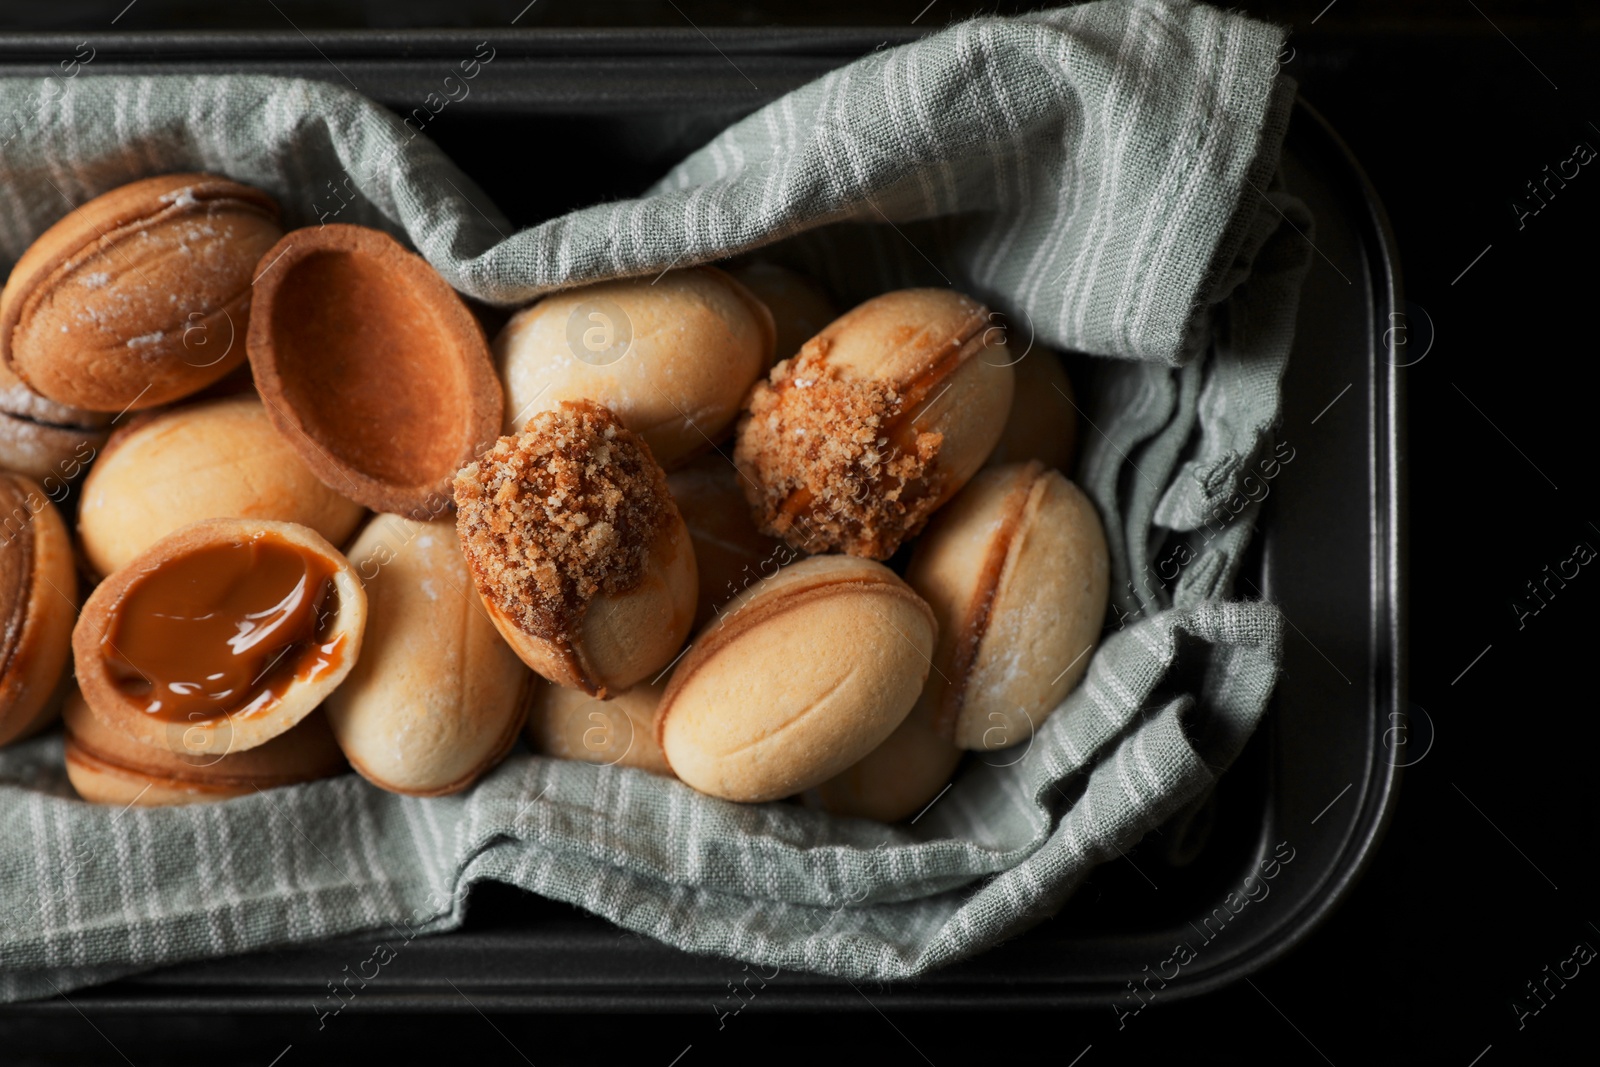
671	356
855	441
106	766
36	608
438	698
140	296
44	440
1016	570
220	636
577	549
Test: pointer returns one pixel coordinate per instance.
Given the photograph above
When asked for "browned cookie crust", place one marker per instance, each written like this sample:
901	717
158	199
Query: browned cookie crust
564	511
834	461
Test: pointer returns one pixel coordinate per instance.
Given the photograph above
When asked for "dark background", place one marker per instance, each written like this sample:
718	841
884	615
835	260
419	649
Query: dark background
1452	107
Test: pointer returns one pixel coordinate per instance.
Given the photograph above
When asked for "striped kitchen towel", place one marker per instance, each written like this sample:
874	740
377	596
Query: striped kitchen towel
1106	175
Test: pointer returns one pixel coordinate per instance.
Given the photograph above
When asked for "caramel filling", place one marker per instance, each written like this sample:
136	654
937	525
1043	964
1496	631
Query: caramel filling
224	630
975	625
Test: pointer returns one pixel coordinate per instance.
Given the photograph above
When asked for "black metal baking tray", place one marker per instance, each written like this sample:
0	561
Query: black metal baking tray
612	111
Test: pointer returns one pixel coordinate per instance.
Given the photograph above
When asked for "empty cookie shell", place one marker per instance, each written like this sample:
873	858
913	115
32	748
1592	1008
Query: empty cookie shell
217	460
854	442
37	611
106	766
577	549
1015	569
618	731
799	678
371	367
437	696
672	357
223	634
1043	423
140	296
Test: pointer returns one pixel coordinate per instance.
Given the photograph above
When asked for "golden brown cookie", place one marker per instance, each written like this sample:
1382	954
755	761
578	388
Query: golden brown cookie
578	550
1043	423
140	296
672	356
106	766
218	460
438	696
852	444
730	553
37	609
800	309
799	678
619	731
1015	569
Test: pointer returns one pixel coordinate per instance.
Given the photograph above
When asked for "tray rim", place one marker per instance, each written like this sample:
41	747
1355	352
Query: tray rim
1389	658
1389	603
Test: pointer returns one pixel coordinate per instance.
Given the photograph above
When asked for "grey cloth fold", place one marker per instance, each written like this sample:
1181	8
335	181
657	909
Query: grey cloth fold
1104	175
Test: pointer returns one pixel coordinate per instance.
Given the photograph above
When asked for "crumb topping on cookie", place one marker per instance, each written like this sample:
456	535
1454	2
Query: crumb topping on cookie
563	511
833	462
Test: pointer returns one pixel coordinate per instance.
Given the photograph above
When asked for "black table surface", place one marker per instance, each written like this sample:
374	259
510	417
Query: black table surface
1455	947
